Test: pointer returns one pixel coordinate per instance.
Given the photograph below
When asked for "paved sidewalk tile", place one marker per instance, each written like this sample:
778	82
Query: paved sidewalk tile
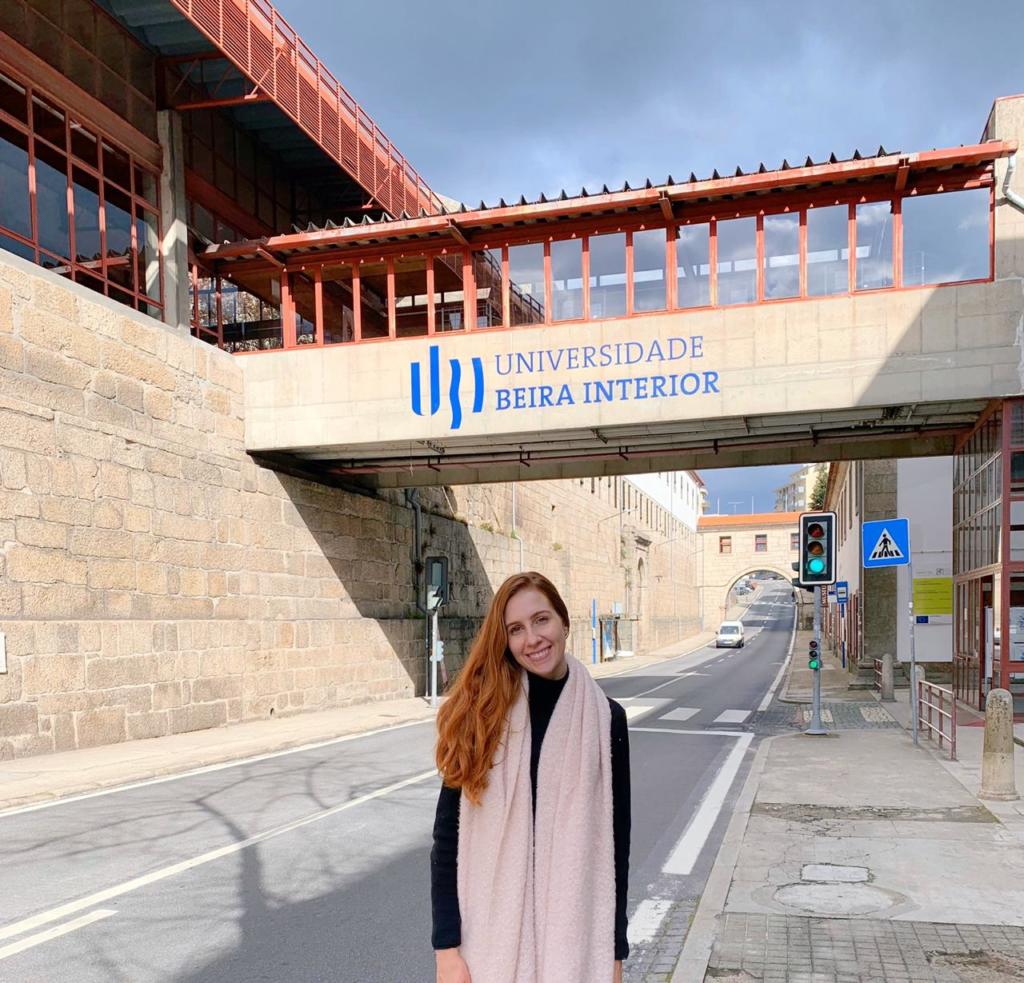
796	949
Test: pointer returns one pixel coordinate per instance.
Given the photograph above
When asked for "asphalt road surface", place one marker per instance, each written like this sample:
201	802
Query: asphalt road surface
312	865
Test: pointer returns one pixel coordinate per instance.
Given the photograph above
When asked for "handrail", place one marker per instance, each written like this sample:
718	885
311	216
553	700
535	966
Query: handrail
261	43
932	698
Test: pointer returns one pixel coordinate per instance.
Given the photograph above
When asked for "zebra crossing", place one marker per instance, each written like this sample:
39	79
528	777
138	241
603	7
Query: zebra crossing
638	707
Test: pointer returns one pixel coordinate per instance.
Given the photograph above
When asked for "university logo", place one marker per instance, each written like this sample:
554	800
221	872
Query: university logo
454	386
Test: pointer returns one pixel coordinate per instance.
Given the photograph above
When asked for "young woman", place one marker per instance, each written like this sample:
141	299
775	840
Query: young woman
531	842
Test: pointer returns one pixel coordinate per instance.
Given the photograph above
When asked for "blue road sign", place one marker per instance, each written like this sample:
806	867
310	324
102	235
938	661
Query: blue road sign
885	543
842	592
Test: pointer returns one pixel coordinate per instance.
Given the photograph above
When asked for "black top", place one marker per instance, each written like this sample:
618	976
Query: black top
444	886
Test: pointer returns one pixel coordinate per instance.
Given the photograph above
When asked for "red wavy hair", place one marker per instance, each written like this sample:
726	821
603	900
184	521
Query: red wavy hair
471	721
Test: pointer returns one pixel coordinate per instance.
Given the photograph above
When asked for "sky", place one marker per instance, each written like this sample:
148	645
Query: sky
500	98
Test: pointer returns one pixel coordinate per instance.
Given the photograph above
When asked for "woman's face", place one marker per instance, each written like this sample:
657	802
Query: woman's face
536	634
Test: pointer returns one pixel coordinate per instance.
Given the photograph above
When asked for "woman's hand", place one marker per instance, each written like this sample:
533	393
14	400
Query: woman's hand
452	968
617	976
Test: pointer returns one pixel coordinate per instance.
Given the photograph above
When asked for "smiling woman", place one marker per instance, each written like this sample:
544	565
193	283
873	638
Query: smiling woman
520	717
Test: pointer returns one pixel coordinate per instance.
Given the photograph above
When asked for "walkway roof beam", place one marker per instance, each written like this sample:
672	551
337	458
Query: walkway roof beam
489	220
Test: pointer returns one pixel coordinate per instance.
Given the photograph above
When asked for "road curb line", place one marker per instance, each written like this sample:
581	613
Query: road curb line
700	939
657	662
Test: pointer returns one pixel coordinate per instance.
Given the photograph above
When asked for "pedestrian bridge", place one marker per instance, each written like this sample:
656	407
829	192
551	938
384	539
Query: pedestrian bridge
868	307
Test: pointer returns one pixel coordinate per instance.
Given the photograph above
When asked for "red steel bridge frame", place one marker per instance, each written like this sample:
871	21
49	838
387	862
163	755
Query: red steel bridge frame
282	68
891	177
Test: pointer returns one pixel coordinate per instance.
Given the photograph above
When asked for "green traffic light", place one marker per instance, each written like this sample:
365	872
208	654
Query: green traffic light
816	565
814	664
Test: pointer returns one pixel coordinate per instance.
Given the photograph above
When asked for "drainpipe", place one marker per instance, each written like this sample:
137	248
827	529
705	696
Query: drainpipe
1011	196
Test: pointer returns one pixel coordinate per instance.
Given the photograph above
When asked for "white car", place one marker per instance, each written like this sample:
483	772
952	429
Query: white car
730	635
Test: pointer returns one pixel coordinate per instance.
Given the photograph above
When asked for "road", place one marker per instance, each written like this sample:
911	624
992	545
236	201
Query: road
312	865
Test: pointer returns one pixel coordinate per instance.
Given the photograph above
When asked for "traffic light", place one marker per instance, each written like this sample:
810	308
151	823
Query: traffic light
813	656
817	549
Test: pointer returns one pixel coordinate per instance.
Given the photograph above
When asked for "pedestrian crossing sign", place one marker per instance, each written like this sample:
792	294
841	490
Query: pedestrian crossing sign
886	543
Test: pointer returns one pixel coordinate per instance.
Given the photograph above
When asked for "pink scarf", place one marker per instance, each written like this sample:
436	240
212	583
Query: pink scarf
537	898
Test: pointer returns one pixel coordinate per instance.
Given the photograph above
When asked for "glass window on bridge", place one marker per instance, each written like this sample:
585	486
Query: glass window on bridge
874	245
339	314
526	283
693	265
449	312
410	297
782	255
567	279
608	275
251	312
828	250
737	261
946	237
304	300
487	277
649	279
373	300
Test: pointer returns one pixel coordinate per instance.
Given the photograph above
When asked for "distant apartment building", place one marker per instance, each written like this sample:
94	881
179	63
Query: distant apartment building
795	494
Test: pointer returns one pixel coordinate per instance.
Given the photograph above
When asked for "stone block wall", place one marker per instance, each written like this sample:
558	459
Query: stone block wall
155	579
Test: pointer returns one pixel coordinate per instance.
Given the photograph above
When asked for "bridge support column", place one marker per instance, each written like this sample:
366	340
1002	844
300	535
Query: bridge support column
173	223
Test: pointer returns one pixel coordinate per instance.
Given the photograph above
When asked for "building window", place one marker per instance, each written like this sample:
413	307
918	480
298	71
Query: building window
828	250
737	261
109	239
761	543
693	265
945	237
794	540
725	544
649	282
874	245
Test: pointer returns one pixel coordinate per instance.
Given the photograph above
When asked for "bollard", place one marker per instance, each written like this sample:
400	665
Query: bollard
997	781
887	678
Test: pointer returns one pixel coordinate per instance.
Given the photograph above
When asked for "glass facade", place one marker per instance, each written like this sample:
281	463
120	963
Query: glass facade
74	201
988	556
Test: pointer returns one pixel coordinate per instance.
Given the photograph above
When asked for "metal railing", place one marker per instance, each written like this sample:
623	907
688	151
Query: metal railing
261	43
877	684
936	714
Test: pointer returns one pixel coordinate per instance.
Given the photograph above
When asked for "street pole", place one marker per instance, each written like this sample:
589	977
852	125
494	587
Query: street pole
913	654
816	729
434	659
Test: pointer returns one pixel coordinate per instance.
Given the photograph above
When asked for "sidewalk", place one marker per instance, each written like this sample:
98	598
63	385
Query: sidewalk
24	781
858	858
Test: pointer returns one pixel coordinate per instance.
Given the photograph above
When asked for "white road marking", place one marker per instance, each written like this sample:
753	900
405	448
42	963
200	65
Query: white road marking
634	711
55	933
770	695
654	689
732	716
205	769
691	733
682	714
73	907
647	919
687	850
